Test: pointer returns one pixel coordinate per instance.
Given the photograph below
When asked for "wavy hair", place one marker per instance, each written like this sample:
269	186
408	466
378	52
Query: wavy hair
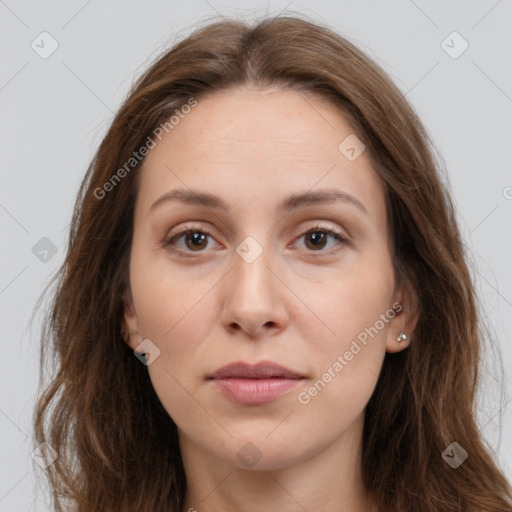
117	446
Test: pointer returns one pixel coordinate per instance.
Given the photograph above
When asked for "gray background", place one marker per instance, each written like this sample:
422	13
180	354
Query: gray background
56	110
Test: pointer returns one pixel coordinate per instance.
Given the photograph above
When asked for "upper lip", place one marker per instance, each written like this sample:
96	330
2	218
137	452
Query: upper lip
260	370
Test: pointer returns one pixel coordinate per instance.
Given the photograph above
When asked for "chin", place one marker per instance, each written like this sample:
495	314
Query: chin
262	453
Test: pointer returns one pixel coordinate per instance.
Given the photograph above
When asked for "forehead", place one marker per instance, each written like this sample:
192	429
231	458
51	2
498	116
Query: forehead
256	122
257	143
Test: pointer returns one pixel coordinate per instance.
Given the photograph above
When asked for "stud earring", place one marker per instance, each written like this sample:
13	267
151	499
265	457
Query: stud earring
401	337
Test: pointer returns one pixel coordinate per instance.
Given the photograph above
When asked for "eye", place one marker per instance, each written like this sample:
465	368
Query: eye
195	239
317	237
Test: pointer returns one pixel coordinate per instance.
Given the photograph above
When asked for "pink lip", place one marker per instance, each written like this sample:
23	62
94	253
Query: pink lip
254	384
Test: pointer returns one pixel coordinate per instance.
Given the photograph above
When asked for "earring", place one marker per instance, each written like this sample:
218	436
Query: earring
401	337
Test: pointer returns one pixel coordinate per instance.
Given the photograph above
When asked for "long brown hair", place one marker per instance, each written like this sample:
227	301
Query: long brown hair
117	446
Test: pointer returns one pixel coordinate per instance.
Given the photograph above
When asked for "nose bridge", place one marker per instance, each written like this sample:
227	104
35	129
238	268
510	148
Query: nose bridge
251	272
251	299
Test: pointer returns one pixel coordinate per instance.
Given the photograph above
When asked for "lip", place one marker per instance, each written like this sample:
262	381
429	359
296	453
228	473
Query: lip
260	370
260	383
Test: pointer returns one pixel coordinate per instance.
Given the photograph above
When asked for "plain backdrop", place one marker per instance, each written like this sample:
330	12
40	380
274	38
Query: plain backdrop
55	110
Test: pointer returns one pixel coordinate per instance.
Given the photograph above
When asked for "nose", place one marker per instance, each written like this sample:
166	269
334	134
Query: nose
254	298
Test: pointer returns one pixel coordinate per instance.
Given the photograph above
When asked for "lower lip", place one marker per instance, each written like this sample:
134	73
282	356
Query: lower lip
254	391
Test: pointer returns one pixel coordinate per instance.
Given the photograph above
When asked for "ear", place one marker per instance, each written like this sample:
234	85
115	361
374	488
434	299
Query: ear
405	305
130	322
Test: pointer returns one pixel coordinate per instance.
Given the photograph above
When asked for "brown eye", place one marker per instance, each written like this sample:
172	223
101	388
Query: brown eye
317	239
194	240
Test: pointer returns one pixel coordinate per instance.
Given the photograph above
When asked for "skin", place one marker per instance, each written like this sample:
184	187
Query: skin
290	305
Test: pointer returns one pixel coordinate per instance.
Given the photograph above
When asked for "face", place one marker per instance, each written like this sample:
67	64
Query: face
309	287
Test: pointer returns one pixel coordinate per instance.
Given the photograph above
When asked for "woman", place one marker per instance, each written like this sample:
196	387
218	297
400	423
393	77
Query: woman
265	228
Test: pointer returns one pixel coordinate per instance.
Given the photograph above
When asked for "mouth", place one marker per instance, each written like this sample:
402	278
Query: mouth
254	384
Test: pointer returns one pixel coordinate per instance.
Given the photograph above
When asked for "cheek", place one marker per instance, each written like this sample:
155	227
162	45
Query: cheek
168	298
351	302
356	308
172	315
348	361
173	311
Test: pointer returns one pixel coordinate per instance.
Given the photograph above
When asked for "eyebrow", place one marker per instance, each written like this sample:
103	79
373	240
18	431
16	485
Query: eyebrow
288	204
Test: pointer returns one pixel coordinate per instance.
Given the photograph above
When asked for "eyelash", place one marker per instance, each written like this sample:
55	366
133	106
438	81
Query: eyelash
200	229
